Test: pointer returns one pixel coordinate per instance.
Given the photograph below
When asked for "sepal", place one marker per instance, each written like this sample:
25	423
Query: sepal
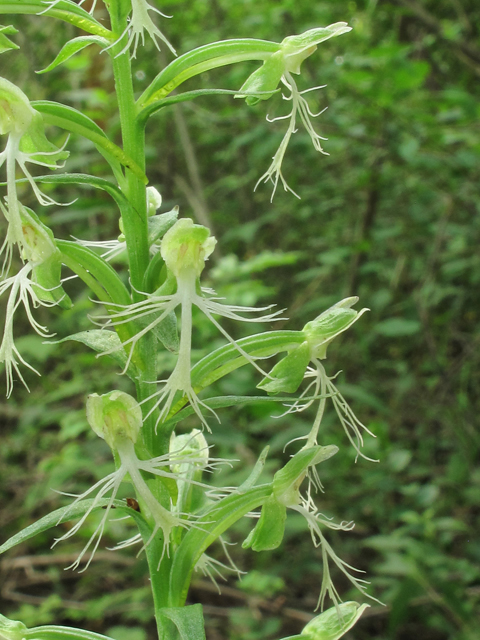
297	48
329	324
287	481
287	375
270	528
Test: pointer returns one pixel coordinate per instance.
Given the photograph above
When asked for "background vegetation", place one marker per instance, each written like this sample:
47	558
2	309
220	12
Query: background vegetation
392	215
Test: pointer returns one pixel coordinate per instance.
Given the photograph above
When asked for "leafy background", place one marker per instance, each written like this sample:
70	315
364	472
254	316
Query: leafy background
390	215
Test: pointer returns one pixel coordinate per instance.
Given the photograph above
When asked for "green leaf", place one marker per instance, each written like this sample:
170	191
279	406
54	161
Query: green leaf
209	56
63	10
72	47
64	514
213	522
101	340
5	43
181	623
256	471
166	331
54	632
227	358
74	121
103	272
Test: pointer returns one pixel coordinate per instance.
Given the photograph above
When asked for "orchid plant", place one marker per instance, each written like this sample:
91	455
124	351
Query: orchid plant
177	514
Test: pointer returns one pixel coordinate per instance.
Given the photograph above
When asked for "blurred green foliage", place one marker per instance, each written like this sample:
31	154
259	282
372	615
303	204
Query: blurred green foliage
392	215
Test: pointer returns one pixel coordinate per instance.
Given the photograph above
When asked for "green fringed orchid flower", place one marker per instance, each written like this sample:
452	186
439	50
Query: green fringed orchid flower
185	248
26	143
278	69
117	418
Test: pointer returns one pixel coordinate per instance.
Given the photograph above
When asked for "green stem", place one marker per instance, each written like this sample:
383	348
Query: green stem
135	223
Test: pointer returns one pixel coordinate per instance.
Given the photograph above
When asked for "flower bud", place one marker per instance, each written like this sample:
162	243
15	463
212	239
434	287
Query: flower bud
296	49
16	114
188	445
154	200
113	416
186	246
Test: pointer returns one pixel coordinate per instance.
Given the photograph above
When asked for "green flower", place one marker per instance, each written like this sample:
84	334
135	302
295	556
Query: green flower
26	143
278	69
185	248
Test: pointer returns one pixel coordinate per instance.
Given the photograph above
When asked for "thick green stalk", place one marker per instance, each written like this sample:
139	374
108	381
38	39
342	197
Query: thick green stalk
135	224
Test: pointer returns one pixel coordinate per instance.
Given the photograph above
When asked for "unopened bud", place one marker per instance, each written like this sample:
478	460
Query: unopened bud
154	201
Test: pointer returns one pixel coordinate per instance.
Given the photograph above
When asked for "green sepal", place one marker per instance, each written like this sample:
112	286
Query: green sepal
287	375
297	48
181	623
329	324
72	47
333	623
287	481
270	528
5	43
63	10
47	276
266	78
